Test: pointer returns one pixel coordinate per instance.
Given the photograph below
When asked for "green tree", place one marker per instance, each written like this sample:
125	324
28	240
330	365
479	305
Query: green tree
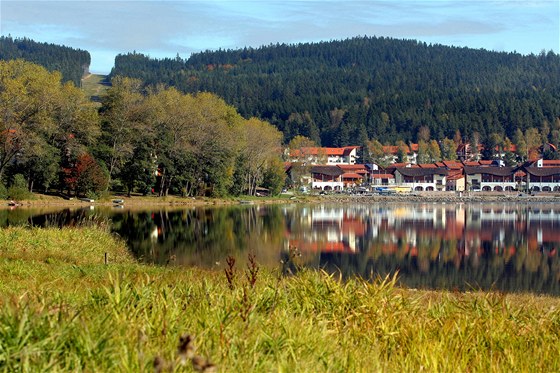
274	176
521	145
377	154
42	121
533	139
423	152
494	146
474	142
27	106
123	117
402	152
434	151
261	145
449	150
139	172
197	138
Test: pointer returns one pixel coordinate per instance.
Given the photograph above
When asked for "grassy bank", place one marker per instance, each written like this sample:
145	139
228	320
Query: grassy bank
139	201
63	309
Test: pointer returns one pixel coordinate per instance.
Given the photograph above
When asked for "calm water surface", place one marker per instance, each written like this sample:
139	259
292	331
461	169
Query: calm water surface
510	247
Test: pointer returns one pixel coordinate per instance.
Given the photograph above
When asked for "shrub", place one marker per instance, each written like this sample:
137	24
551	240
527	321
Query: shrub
18	190
3	191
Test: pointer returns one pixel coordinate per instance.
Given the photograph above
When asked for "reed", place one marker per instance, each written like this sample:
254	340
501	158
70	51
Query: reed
63	309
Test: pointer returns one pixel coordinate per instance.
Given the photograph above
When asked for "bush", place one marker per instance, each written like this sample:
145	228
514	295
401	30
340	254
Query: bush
18	190
3	191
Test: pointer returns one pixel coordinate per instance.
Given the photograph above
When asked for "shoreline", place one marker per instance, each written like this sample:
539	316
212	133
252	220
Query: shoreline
424	197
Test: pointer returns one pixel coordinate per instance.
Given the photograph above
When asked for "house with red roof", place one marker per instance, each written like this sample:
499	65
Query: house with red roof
421	178
492	178
327	177
325	156
391	152
337	177
542	175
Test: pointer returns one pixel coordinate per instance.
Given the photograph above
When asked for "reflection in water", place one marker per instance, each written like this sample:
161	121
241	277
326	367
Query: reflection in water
203	236
510	247
456	246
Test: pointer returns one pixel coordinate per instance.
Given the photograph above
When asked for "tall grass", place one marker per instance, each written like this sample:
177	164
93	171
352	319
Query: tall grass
64	311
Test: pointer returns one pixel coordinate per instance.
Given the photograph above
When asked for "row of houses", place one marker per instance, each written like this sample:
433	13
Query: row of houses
349	154
535	176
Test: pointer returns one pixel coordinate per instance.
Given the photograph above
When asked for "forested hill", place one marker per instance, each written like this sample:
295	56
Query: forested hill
344	92
72	63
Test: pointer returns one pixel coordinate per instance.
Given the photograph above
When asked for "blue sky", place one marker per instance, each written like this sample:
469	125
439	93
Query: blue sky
167	28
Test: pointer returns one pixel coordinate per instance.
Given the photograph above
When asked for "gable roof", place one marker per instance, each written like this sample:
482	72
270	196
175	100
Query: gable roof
351	175
412	172
327	170
427	165
542	171
496	171
382	176
345	150
359	168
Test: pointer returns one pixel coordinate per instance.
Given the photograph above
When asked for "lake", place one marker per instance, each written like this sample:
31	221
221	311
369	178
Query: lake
511	247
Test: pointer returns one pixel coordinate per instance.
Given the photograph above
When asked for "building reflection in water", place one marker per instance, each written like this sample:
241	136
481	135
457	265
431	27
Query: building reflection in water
506	247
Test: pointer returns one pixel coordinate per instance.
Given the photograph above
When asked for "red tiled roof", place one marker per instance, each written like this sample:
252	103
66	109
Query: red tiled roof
353	167
471	163
382	176
390	149
427	165
454	177
453	164
393	149
320	151
551	163
351	175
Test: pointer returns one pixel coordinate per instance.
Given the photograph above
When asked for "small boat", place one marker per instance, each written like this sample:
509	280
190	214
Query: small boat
245	202
87	200
13	203
118	201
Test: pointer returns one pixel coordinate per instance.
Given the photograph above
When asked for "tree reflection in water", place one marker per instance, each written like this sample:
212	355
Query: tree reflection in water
507	247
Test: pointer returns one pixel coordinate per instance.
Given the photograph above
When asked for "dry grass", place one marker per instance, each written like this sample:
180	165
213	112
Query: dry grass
77	314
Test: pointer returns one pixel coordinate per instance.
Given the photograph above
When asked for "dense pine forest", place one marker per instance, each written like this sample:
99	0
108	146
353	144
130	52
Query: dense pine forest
346	92
71	63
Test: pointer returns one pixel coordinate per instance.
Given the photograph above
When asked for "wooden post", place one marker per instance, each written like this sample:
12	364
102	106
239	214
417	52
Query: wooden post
105	258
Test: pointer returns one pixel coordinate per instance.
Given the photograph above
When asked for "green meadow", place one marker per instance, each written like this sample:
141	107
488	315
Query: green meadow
95	85
74	299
